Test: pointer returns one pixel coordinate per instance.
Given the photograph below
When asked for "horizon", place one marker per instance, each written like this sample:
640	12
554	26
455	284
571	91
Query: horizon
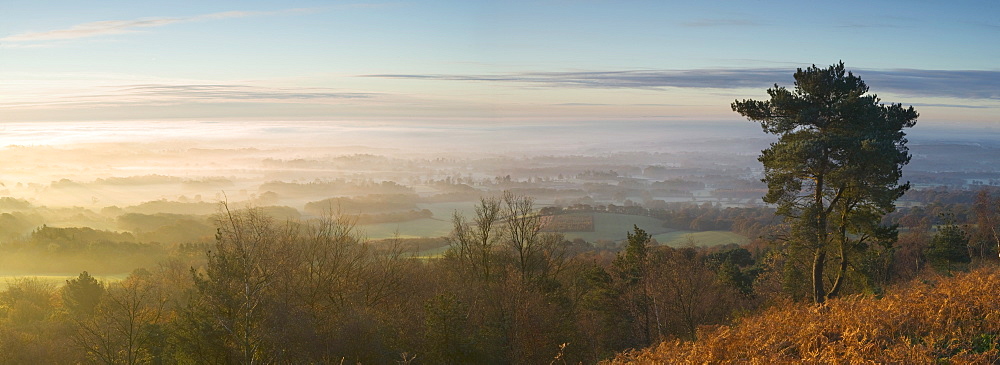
479	63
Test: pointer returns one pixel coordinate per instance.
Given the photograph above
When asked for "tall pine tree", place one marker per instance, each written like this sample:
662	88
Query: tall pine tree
834	171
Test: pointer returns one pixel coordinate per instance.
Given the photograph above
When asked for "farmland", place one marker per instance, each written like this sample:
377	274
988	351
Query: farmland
56	280
590	227
706	238
612	226
568	223
438	225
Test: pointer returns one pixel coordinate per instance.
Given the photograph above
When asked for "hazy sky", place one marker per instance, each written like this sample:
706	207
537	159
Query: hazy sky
481	61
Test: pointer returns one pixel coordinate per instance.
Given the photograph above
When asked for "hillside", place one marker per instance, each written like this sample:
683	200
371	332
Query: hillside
953	319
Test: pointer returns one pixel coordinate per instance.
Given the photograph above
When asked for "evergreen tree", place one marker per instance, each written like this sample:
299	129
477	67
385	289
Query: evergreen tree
632	269
834	171
81	295
631	264
950	246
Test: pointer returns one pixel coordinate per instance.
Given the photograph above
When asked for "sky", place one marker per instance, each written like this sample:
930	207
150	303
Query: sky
481	62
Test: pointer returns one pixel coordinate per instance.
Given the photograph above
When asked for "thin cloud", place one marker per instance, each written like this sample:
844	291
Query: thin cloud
111	27
991	26
633	79
236	92
963	84
92	29
175	94
950	105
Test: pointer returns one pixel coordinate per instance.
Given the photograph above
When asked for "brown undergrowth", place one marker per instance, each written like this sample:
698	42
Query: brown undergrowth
937	320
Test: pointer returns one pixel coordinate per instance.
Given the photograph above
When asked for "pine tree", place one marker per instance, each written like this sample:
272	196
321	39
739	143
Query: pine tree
81	295
834	171
950	246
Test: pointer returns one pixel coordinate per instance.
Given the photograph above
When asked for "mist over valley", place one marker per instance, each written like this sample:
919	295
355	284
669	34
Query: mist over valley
161	183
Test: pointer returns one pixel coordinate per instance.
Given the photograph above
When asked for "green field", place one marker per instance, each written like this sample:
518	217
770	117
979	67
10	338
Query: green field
56	280
432	253
438	226
410	229
706	238
444	211
614	227
607	226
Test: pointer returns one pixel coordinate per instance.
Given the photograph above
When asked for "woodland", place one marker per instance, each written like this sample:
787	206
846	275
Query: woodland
273	290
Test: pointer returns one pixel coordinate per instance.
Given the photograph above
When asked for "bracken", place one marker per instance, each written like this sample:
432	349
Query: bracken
954	320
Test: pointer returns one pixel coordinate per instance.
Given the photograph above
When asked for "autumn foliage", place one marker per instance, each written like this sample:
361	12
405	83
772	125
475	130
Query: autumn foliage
954	319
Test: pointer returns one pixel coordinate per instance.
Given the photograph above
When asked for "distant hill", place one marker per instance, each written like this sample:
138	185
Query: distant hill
940	320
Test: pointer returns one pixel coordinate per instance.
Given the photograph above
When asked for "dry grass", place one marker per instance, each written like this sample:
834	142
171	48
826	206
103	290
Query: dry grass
948	320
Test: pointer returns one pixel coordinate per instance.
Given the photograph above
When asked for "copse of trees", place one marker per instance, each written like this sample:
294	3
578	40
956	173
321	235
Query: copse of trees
272	291
648	294
835	169
971	213
987	234
517	296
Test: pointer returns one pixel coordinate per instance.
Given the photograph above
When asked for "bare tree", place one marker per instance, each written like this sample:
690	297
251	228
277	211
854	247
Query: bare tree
687	294
121	330
523	226
238	281
987	232
475	243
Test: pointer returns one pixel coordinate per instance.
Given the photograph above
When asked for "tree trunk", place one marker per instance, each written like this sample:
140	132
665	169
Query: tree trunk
819	295
835	289
842	270
819	258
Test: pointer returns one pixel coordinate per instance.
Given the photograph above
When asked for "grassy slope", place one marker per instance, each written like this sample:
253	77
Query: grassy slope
55	280
431	253
607	226
409	229
941	320
706	238
614	227
438	226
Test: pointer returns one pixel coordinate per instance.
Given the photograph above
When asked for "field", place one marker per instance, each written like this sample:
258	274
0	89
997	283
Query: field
568	223
56	280
587	226
431	253
614	227
438	226
706	238
428	227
